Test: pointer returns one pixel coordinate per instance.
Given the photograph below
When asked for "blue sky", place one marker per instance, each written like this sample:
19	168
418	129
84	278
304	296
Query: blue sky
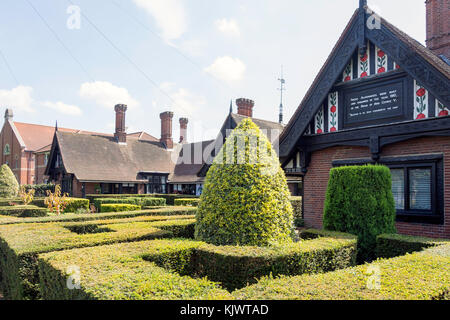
188	56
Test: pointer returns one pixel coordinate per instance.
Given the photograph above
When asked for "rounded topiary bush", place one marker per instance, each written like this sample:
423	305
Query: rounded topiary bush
359	201
9	187
245	199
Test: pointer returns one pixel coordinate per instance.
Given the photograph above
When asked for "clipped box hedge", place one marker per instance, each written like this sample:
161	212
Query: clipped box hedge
20	244
235	267
140	201
418	276
187	202
121	273
296	203
393	245
119	207
167	211
23	211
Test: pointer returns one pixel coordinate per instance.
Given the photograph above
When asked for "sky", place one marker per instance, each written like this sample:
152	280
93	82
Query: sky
71	61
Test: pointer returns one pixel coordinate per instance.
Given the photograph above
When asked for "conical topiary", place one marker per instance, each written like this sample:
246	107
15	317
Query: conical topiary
9	187
245	198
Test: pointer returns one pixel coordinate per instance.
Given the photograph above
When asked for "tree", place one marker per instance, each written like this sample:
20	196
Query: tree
245	199
26	196
56	202
9	187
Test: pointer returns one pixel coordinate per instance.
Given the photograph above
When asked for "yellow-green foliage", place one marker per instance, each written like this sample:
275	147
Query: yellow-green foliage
20	244
419	276
9	187
245	199
121	273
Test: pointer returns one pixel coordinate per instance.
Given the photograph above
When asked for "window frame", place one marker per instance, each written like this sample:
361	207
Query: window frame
435	161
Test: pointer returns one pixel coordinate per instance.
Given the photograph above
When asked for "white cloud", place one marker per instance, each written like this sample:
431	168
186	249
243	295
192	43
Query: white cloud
170	16
228	27
227	69
63	108
18	98
184	102
107	95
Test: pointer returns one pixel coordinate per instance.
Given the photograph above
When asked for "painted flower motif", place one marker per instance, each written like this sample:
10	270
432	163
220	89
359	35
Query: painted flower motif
420	116
443	113
333	129
381	70
333	109
397	66
319	131
381	53
364	74
421	92
347	78
364	58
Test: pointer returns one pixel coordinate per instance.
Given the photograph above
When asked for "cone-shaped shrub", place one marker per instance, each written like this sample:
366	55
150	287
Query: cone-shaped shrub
9	187
359	201
245	199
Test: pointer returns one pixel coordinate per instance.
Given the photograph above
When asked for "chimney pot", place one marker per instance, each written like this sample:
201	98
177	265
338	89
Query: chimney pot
120	135
8	114
183	130
245	107
166	129
438	26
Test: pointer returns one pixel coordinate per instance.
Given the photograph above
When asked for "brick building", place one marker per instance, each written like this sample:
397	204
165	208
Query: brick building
381	97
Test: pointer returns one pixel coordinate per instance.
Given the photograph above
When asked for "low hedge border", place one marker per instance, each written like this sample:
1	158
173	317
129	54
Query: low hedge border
23	211
170	198
140	201
393	245
236	267
186	202
417	276
308	234
119	207
166	211
121	273
20	244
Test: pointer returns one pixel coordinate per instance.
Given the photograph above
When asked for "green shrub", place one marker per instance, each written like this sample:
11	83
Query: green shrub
40	189
9	187
121	273
245	198
168	211
20	244
170	198
75	204
236	267
187	202
119	207
359	201
393	245
23	211
418	276
152	202
296	203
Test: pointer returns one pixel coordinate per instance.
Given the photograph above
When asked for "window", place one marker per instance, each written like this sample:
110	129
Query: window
46	158
7	150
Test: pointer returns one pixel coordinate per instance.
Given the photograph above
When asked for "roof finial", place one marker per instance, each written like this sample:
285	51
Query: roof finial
282	88
231	106
362	4
56	125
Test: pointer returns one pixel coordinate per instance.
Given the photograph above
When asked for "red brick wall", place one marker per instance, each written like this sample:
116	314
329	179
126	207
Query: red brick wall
438	26
316	180
40	167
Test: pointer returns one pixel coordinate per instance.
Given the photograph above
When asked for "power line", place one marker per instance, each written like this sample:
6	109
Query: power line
59	40
9	68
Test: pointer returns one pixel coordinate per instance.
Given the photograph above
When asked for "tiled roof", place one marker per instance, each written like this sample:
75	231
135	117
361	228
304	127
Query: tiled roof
99	158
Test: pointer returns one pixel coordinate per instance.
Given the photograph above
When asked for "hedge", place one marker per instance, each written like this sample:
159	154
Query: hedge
167	211
9	187
121	273
170	198
140	201
418	276
296	203
359	200
187	202
119	207
40	189
245	199
236	267
393	245
20	244
23	211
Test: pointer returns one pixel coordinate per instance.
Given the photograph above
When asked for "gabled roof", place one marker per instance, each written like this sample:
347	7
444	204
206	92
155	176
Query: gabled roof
414	58
99	158
141	135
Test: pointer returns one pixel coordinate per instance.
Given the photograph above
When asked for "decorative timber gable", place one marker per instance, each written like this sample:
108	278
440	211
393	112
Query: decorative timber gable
366	53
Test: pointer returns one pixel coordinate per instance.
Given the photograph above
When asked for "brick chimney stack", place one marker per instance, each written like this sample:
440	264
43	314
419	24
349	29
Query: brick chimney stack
438	26
120	135
183	130
245	107
166	129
